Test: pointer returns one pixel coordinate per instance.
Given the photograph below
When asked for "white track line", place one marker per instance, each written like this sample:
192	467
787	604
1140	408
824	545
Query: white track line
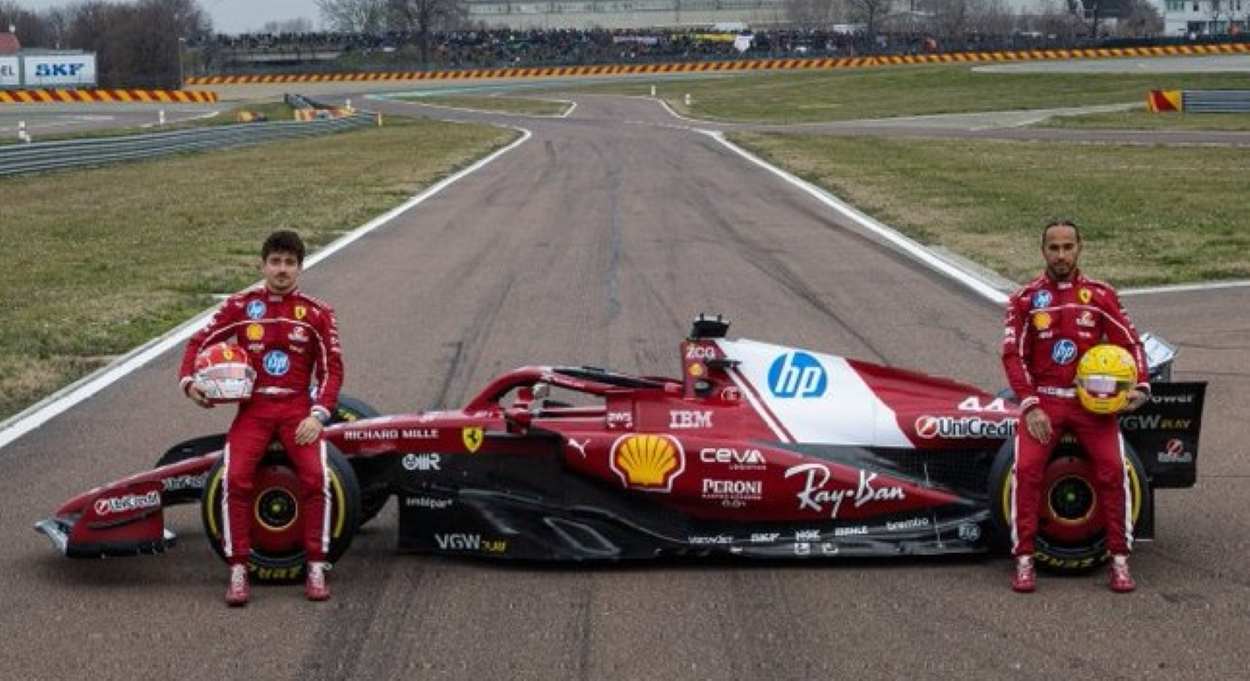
60	401
889	234
1183	288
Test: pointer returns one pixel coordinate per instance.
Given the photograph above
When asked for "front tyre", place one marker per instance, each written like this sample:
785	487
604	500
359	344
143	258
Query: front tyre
1071	535
277	528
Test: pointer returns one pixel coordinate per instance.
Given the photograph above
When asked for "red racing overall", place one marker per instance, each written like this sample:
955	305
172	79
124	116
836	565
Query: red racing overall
1049	326
290	339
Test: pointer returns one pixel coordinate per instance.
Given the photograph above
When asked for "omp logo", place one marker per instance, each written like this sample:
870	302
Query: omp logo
129	502
648	462
797	374
58	70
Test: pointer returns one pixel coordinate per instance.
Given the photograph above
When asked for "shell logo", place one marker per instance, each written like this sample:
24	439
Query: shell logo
648	462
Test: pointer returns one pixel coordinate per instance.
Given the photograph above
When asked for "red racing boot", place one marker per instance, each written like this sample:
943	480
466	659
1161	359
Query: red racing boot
1121	580
315	587
1025	580
239	591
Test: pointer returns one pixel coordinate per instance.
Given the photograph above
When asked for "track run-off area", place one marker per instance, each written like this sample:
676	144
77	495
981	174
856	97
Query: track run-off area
595	241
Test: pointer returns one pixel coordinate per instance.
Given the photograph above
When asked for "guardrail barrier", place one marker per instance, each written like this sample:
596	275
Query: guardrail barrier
1199	101
27	158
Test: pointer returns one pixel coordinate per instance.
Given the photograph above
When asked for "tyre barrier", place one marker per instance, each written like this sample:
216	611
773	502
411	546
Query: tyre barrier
734	66
106	96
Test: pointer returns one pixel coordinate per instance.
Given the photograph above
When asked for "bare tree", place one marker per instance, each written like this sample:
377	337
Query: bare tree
870	13
1140	19
423	17
354	16
950	19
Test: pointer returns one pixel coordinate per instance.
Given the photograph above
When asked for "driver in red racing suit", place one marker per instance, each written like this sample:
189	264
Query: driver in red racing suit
1050	323
291	338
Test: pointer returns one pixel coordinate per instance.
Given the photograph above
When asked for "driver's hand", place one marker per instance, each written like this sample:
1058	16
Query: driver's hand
1136	398
1038	424
307	431
197	396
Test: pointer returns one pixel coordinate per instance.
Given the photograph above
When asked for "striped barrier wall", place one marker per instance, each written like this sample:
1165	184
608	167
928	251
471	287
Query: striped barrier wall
1162	101
732	66
108	96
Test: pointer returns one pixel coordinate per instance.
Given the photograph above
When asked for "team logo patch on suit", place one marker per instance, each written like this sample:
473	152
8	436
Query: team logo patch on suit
1086	319
1041	321
472	436
255	332
298	335
255	309
1063	352
300	312
1084	295
277	363
1042	299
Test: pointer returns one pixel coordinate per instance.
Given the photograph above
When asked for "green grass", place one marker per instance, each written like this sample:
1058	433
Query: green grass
1144	120
275	111
904	91
1149	215
516	105
129	251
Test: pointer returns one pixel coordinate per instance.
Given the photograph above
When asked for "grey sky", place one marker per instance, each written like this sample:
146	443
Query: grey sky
229	16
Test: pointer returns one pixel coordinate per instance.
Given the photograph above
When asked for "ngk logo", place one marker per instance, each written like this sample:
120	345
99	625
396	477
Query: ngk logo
964	427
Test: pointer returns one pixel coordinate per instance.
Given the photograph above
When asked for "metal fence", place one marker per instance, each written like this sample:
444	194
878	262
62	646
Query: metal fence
1215	101
40	156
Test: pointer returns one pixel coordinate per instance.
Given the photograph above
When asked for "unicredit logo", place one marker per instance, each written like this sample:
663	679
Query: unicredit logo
970	427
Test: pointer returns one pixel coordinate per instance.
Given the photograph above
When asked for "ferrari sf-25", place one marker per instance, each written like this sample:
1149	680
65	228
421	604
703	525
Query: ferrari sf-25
757	450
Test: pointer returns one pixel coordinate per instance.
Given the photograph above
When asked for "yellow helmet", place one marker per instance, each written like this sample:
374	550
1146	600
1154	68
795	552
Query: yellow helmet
1104	376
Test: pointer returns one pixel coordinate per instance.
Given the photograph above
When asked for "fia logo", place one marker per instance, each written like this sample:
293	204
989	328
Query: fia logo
797	374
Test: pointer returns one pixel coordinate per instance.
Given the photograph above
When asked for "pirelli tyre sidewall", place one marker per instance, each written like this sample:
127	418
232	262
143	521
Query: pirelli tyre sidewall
277	547
1054	553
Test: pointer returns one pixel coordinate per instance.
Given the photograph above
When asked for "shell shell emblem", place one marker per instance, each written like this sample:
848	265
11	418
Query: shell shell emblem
255	332
648	462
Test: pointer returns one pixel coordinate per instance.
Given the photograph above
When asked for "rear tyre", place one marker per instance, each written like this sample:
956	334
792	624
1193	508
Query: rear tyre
1071	536
277	530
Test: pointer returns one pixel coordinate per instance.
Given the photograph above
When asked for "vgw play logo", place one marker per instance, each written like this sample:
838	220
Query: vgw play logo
797	374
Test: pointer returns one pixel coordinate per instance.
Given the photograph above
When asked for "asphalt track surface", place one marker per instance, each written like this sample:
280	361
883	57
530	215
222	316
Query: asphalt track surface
595	242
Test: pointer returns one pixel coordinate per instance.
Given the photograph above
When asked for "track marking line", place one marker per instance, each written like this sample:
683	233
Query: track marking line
62	400
410	100
1183	288
891	236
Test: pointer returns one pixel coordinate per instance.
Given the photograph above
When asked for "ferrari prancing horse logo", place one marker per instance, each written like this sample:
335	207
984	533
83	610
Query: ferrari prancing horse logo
472	436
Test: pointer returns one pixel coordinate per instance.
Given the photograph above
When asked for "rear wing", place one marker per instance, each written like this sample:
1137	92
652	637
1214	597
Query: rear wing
1164	433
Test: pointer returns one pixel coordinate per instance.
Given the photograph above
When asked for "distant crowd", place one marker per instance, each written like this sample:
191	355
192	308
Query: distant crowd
505	47
497	48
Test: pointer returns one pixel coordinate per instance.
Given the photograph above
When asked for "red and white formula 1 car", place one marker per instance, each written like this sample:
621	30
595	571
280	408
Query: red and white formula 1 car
757	450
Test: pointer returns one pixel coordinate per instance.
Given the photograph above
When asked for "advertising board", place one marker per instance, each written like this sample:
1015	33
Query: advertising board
59	70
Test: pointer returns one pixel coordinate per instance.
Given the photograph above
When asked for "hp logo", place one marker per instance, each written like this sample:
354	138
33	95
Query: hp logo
1063	352
277	363
797	374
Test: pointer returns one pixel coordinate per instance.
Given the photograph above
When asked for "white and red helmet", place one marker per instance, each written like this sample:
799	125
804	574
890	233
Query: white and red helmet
224	374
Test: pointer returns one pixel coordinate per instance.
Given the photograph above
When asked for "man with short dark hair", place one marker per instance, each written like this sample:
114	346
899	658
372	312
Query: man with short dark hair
292	340
1050	323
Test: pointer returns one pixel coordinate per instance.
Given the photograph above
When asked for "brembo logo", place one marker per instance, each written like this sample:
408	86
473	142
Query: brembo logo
970	427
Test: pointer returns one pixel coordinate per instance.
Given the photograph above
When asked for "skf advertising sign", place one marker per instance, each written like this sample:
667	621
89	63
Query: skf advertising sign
10	75
74	70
